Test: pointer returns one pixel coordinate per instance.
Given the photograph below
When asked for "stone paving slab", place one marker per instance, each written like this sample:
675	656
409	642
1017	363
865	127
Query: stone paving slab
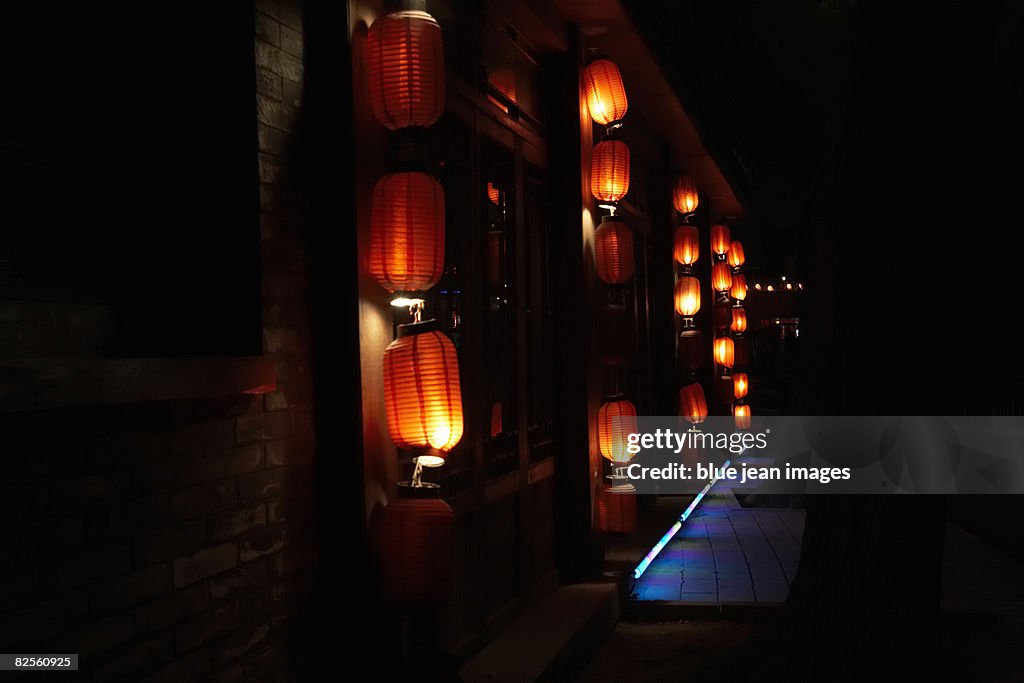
727	555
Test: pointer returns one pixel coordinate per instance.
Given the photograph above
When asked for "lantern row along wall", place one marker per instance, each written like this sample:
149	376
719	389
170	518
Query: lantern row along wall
690	348
413	536
740	385
615	266
731	347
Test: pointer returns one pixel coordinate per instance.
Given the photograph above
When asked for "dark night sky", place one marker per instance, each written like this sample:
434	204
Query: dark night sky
774	83
882	142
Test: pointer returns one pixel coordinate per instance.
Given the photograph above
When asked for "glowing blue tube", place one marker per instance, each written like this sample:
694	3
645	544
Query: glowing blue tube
674	529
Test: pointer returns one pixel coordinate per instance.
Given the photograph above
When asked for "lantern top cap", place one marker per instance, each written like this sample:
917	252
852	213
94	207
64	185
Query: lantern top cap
393	6
426	489
409	329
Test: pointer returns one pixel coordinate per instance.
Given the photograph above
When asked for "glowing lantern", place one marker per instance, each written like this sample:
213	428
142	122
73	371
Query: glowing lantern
736	256
407	232
687	296
724	351
739	320
738	289
422	394
614	335
684	195
614	251
692	404
504	81
405	56
720	239
686	249
413	540
739	384
616	509
615	421
606	96
493	194
741	412
721	276
609	171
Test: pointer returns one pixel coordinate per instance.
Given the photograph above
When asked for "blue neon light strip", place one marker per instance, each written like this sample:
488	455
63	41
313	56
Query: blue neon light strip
674	529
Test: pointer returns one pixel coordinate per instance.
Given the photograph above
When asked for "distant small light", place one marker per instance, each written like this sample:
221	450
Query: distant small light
406	302
789	285
778	321
757	286
783	278
800	285
770	288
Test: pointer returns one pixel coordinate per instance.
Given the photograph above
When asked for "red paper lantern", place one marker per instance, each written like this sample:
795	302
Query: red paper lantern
407	232
405	56
720	239
606	96
493	194
740	384
615	421
495	254
614	335
504	81
739	320
690	351
736	256
721	276
614	251
692	404
738	288
723	389
684	195
686	247
724	351
616	512
413	539
609	171
422	393
496	419
723	316
741	412
687	296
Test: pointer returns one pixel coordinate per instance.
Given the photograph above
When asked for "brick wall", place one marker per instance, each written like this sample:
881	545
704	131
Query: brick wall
172	541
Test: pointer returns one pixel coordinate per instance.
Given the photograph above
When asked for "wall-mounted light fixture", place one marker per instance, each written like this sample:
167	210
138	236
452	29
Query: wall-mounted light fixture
609	173
422	393
725	351
692	403
405	56
406	254
613	251
720	241
685	196
606	95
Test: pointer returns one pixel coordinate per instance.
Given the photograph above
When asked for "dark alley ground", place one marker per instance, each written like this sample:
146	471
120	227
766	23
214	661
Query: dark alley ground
727	650
982	626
